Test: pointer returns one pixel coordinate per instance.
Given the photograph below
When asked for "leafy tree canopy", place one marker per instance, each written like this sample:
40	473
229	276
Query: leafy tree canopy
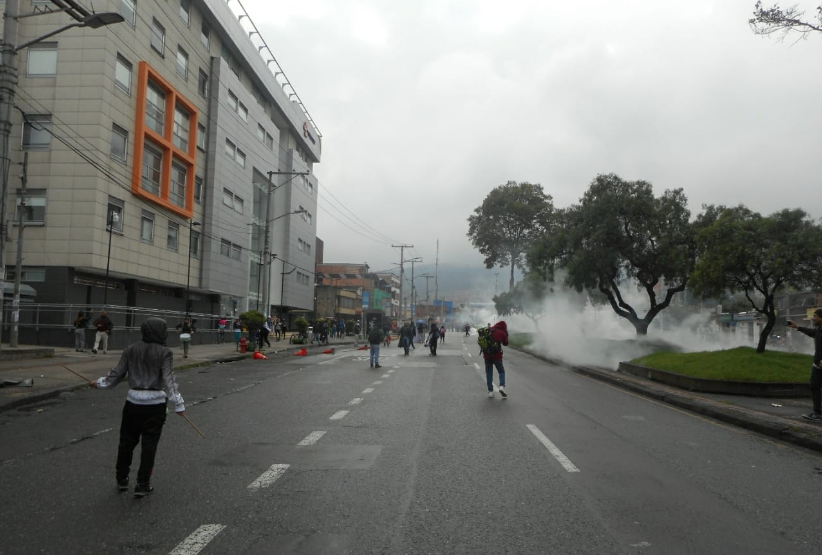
621	233
511	218
743	251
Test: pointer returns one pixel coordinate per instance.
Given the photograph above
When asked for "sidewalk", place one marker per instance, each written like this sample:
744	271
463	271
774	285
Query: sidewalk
50	376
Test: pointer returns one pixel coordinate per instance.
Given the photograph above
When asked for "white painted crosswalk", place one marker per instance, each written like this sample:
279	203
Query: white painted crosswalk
200	538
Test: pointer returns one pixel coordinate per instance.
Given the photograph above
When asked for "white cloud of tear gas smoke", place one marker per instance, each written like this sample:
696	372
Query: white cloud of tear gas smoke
579	333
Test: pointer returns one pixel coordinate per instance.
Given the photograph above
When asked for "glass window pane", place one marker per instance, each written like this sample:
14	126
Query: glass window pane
198	188
232	101
147	227
119	142
238	204
202	84
155	109
152	170
240	158
225	247
194	246
178	184
182	62
173	235
201	136
243	111
158	37
228	198
127	11
42	60
185	11
181	128
205	35
230	149
115	214
122	74
37	131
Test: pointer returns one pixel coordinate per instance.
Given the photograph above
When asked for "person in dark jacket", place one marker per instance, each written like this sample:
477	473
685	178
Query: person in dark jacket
433	338
499	335
186	329
80	324
104	325
149	366
816	371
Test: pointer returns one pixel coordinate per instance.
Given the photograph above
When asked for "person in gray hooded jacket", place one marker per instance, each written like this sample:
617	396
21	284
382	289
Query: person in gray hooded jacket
150	369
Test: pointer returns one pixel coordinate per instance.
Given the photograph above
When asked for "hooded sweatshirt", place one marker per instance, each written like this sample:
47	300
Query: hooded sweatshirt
499	334
150	368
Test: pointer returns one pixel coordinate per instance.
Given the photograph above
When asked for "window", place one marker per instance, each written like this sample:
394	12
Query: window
205	35
202	84
36	131
119	143
258	96
232	101
238	204
243	111
114	215
122	74
225	247
233	201
240	159
178	184
147	227
173	236
302	246
230	149
42	60
302	278
34	211
198	189
182	124
127	11
185	11
261	133
158	37
232	63
182	62
152	169
194	247
155	108
269	141
236	252
201	136
27	274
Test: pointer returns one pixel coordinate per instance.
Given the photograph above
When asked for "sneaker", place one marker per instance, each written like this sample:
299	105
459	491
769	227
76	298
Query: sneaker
812	416
141	490
377	366
490	394
122	484
502	391
94	351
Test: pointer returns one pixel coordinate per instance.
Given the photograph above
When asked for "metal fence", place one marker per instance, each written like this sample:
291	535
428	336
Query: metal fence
53	324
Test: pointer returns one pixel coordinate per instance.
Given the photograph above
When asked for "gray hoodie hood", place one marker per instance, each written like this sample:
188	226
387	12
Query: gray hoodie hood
154	330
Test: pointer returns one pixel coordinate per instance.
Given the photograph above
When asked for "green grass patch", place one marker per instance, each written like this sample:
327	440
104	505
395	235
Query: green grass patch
742	364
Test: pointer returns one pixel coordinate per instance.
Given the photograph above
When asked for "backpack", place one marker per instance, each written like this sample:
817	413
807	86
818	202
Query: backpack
374	336
486	342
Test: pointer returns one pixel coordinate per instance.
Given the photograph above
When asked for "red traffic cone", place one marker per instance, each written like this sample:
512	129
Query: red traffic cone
363	348
259	356
301	353
330	351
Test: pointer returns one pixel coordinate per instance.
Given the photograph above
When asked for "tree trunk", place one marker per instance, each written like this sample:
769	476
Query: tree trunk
766	332
641	326
511	281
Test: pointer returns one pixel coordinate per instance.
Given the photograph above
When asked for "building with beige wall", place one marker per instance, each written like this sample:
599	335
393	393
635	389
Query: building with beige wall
166	125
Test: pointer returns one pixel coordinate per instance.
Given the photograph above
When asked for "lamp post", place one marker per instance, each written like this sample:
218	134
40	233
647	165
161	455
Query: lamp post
266	257
113	218
191	224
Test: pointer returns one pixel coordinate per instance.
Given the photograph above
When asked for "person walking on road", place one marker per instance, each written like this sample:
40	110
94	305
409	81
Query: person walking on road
238	333
493	358
149	366
816	371
104	325
442	335
221	324
186	329
375	337
433	338
80	332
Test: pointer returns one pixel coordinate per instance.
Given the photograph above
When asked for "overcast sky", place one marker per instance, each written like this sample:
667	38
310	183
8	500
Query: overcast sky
427	105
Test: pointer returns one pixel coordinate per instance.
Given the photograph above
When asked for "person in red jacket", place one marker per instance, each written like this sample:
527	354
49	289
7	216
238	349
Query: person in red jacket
493	357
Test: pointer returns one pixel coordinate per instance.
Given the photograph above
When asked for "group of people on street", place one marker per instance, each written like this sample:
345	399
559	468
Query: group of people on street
103	327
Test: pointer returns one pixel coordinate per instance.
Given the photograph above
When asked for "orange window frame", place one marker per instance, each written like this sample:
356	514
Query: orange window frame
165	142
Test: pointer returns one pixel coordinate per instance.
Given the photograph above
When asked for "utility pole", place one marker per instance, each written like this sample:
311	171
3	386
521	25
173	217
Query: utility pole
402	271
21	224
427	291
436	273
8	82
413	287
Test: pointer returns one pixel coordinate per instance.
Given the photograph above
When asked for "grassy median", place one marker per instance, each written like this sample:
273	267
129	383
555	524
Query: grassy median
742	364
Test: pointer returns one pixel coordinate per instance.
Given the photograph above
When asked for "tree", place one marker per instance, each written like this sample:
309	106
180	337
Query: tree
511	218
252	320
742	251
620	234
526	298
767	21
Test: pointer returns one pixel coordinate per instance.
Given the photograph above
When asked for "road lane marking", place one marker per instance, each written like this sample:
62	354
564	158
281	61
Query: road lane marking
356	401
367	390
476	366
312	438
377	382
385	376
469	354
390	372
269	476
563	460
338	415
198	539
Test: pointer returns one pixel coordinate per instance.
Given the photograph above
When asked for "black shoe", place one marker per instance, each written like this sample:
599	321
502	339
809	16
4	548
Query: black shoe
377	366
141	490
813	416
122	484
371	365
94	351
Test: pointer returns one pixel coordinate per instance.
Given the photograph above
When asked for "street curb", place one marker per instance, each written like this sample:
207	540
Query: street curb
771	426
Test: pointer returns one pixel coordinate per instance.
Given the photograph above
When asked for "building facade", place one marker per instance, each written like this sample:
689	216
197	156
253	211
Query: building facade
154	147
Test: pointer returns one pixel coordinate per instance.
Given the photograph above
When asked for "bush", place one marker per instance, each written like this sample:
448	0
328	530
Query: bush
302	325
252	321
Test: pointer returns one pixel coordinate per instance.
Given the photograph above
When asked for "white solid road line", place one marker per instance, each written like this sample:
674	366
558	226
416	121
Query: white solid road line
367	390
356	401
563	460
198	540
312	438
269	476
338	415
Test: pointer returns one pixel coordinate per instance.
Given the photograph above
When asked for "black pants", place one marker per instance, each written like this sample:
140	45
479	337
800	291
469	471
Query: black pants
140	422
432	344
264	337
816	389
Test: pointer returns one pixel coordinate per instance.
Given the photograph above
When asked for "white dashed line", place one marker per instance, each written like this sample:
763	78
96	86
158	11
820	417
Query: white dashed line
312	438
269	476
338	415
390	371
377	382
198	539
385	376
563	460
367	390
470	355
356	401
476	366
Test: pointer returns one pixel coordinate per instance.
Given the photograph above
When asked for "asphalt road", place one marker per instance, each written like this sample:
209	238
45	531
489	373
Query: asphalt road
322	454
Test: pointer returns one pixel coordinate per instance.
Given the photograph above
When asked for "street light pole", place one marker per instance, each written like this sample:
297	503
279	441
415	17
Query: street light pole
413	288
21	225
111	220
191	224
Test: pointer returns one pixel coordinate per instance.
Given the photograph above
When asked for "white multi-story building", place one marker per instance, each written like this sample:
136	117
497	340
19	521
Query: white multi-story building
167	125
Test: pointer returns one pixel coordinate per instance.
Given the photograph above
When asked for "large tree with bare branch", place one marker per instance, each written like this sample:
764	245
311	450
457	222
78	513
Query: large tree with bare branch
783	21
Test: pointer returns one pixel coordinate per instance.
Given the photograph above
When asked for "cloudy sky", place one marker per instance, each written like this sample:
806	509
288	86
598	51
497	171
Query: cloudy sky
427	105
